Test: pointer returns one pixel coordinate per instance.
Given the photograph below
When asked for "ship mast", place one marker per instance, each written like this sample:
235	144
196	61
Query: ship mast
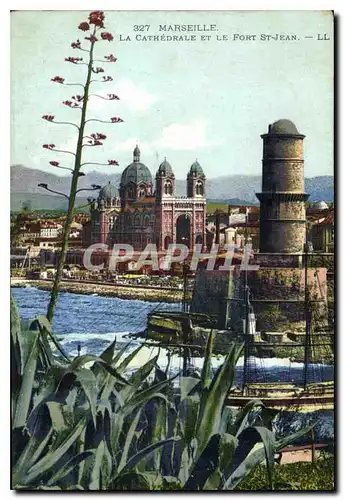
246	302
307	321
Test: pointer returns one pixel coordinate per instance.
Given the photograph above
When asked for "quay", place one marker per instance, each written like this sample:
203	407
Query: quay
122	291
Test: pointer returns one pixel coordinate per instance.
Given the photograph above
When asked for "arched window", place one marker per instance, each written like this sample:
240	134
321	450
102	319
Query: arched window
142	191
199	188
168	187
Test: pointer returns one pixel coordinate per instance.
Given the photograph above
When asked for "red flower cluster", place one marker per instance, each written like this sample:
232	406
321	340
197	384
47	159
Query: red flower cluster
74	60
107	79
84	26
91	38
58	79
76	45
97	70
48	146
110	58
49	118
78	98
113	162
107	36
71	104
113	97
54	163
116	120
98	137
97	18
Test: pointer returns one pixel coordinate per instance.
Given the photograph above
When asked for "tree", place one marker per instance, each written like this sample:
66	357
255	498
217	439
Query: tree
95	29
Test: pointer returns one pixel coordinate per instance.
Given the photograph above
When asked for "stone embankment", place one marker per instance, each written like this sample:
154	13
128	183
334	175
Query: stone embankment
130	292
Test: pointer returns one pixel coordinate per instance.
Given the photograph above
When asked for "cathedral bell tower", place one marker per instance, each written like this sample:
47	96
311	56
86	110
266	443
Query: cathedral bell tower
165	181
195	181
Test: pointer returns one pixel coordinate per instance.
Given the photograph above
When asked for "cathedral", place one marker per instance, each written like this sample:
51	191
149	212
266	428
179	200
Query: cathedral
140	213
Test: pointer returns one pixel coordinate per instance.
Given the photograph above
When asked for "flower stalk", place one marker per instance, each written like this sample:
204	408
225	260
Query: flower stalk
95	18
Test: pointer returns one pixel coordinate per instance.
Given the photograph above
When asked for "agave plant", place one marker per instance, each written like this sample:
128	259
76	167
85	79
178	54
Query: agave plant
70	418
87	424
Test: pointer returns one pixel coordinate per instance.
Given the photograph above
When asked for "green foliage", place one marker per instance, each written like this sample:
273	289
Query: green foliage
304	476
87	424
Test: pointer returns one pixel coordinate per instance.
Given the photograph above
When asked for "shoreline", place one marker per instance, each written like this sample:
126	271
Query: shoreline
126	292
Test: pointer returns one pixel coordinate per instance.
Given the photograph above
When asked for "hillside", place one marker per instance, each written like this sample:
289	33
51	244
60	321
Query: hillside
238	187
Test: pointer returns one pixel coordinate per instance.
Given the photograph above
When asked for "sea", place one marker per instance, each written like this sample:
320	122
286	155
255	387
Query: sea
92	322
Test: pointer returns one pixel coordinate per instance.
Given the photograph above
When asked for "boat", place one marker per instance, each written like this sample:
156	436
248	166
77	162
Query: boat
306	396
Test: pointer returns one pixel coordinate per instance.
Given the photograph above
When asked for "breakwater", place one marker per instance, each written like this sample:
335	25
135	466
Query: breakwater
129	292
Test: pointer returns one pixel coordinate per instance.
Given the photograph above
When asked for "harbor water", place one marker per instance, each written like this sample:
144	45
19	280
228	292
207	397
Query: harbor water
93	322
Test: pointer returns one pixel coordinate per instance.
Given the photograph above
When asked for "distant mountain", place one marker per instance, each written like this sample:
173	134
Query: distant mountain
238	187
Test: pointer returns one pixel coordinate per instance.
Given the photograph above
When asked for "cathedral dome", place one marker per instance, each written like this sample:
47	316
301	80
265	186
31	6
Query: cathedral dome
283	127
165	168
136	172
108	192
196	169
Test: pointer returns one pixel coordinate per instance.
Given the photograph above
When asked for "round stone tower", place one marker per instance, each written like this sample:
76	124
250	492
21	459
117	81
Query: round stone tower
282	200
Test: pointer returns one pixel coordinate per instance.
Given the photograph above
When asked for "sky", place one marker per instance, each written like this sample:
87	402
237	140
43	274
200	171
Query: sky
207	99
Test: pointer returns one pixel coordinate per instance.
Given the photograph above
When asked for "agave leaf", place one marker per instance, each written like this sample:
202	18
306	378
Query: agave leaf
138	377
123	365
50	459
112	371
116	429
212	405
15	322
62	416
187	384
28	457
188	414
88	382
120	353
138	481
95	480
128	441
38	449
268	439
184	469
134	460
255	457
205	465
80	361
241	420
45	326
44	323
108	354
68	467
282	443
50	383
106	468
228	444
25	393
160	429
46	488
206	369
213	482
141	398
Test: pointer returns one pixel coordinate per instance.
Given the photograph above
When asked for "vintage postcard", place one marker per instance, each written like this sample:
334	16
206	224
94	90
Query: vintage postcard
172	250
